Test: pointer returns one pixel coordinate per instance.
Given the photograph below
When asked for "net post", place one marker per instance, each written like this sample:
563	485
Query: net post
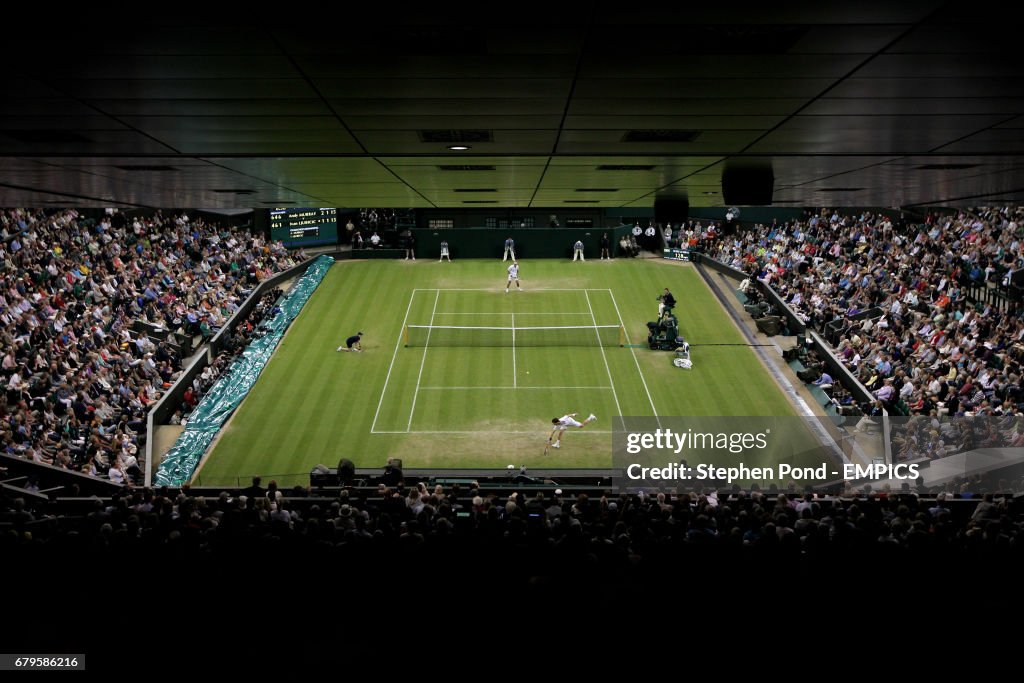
405	335
622	335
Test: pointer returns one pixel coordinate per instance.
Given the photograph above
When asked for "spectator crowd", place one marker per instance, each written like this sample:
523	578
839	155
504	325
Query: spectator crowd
606	530
79	375
895	298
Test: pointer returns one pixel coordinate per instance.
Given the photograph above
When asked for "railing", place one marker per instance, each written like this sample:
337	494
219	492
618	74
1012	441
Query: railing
284	481
219	340
52	478
794	323
998	296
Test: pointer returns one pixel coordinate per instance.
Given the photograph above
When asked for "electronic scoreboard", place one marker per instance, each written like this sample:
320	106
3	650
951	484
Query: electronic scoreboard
304	227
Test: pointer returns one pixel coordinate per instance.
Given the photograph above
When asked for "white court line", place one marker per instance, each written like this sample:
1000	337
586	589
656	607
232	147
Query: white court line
520	313
398	343
615	394
633	351
515	380
490	431
504	388
488	289
423	361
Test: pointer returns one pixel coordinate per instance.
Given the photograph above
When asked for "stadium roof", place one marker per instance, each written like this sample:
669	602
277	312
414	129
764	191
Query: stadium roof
612	105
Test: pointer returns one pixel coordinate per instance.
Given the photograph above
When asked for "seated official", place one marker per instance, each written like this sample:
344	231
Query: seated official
668	302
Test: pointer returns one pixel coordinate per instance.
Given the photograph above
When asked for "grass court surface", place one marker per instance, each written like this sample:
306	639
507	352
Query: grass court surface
438	405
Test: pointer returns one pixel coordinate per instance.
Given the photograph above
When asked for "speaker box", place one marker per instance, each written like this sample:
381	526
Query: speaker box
748	186
671	210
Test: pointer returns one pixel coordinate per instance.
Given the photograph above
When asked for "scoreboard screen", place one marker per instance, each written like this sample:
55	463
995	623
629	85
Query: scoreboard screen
676	254
304	227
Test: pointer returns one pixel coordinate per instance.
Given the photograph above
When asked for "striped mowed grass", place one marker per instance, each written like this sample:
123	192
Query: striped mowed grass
463	393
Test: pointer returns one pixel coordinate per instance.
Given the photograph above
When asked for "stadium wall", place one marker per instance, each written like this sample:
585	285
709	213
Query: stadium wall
52	480
166	406
531	243
795	325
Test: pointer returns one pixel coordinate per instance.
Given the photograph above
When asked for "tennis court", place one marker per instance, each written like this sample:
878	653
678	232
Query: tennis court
457	397
485	361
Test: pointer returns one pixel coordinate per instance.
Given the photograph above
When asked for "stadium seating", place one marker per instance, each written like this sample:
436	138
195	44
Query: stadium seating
99	330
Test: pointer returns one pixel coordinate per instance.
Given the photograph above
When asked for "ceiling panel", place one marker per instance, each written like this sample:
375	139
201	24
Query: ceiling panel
87	142
900	124
386	66
959	38
948	85
845	101
409	88
19	88
190	38
697	85
434	106
195	106
438	34
721	66
941	65
682	122
266	147
1000	140
12	106
505	142
640	160
317	170
114	160
89	121
793	12
527	178
89	66
185	88
686	107
205	124
847	38
913	106
414	121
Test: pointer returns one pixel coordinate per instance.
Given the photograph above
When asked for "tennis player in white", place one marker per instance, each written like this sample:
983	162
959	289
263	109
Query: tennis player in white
513	274
563	423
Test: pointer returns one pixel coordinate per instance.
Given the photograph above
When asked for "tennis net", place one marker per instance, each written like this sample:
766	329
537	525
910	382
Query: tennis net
459	335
